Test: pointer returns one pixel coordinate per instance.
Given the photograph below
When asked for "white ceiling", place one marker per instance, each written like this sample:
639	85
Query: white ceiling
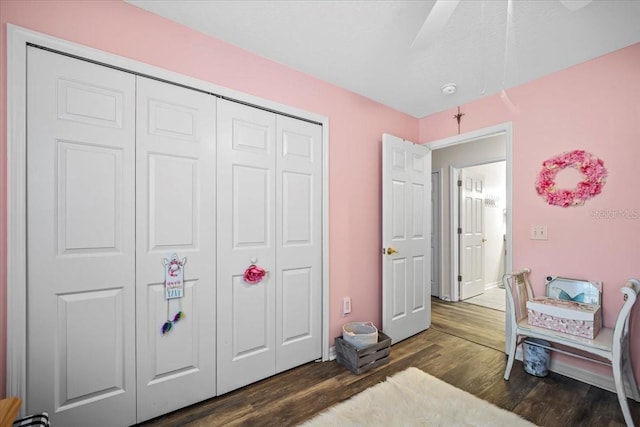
366	46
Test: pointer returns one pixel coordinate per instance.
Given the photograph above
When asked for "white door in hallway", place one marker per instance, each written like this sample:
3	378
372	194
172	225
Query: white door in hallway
269	215
175	213
406	238
80	241
471	223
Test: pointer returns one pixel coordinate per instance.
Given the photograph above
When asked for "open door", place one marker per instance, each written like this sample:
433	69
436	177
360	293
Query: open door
406	238
471	233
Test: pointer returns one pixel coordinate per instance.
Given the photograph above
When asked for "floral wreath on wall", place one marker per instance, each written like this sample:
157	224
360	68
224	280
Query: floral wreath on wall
586	163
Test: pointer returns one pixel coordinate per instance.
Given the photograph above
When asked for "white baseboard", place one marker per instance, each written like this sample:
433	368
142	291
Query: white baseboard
332	352
604	382
488	286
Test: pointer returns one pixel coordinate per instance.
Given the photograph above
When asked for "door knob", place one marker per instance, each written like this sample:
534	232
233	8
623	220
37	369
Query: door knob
484	240
391	251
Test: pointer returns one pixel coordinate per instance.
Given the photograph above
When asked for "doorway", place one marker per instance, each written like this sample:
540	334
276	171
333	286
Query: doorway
488	145
484	146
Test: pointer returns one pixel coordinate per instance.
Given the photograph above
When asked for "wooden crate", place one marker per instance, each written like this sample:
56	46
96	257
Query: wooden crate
359	360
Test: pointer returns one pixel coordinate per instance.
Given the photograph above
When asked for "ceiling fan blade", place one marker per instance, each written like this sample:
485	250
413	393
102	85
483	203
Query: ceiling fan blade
435	22
574	5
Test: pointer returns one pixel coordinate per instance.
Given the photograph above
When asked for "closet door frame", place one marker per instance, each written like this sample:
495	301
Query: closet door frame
17	40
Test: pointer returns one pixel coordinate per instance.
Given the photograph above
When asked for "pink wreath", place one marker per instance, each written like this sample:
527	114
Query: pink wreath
586	163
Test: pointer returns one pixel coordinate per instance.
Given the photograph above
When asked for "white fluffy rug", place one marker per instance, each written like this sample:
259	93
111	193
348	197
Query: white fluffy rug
414	398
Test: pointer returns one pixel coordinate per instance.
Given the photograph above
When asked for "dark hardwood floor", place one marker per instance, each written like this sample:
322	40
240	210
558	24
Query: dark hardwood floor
464	347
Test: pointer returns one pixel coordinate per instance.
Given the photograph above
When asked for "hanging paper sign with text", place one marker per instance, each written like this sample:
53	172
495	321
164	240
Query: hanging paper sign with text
174	276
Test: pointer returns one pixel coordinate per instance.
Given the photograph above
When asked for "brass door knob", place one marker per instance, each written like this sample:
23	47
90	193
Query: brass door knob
391	251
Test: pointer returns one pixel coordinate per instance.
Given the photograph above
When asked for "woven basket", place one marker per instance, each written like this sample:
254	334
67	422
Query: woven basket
360	334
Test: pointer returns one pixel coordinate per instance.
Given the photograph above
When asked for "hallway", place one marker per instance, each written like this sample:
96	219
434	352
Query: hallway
494	298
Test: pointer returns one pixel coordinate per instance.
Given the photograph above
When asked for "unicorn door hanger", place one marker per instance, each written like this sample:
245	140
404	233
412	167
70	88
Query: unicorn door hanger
173	288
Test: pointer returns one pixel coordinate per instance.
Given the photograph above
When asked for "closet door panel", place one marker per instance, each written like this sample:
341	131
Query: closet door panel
175	214
80	241
173	197
93	197
246	236
251	207
298	242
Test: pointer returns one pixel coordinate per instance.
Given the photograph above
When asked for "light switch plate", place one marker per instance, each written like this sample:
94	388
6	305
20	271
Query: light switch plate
346	306
539	232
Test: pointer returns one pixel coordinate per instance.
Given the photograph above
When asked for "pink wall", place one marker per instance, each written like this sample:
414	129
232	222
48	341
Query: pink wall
593	106
356	125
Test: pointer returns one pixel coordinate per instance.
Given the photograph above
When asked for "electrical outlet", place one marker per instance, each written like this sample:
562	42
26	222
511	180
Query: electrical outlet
539	232
346	306
542	232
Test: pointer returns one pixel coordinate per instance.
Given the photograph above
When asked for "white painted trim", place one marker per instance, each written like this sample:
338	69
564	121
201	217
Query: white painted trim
605	382
440	232
509	225
454	286
508	129
326	332
17	40
332	353
470	136
491	285
437	269
17	213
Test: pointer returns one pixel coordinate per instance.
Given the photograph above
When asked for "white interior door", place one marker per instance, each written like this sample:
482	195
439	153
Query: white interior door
246	236
471	234
80	241
406	238
298	242
175	214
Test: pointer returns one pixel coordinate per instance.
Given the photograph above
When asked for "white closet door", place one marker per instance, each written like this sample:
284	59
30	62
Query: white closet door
80	240
298	242
246	236
175	214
